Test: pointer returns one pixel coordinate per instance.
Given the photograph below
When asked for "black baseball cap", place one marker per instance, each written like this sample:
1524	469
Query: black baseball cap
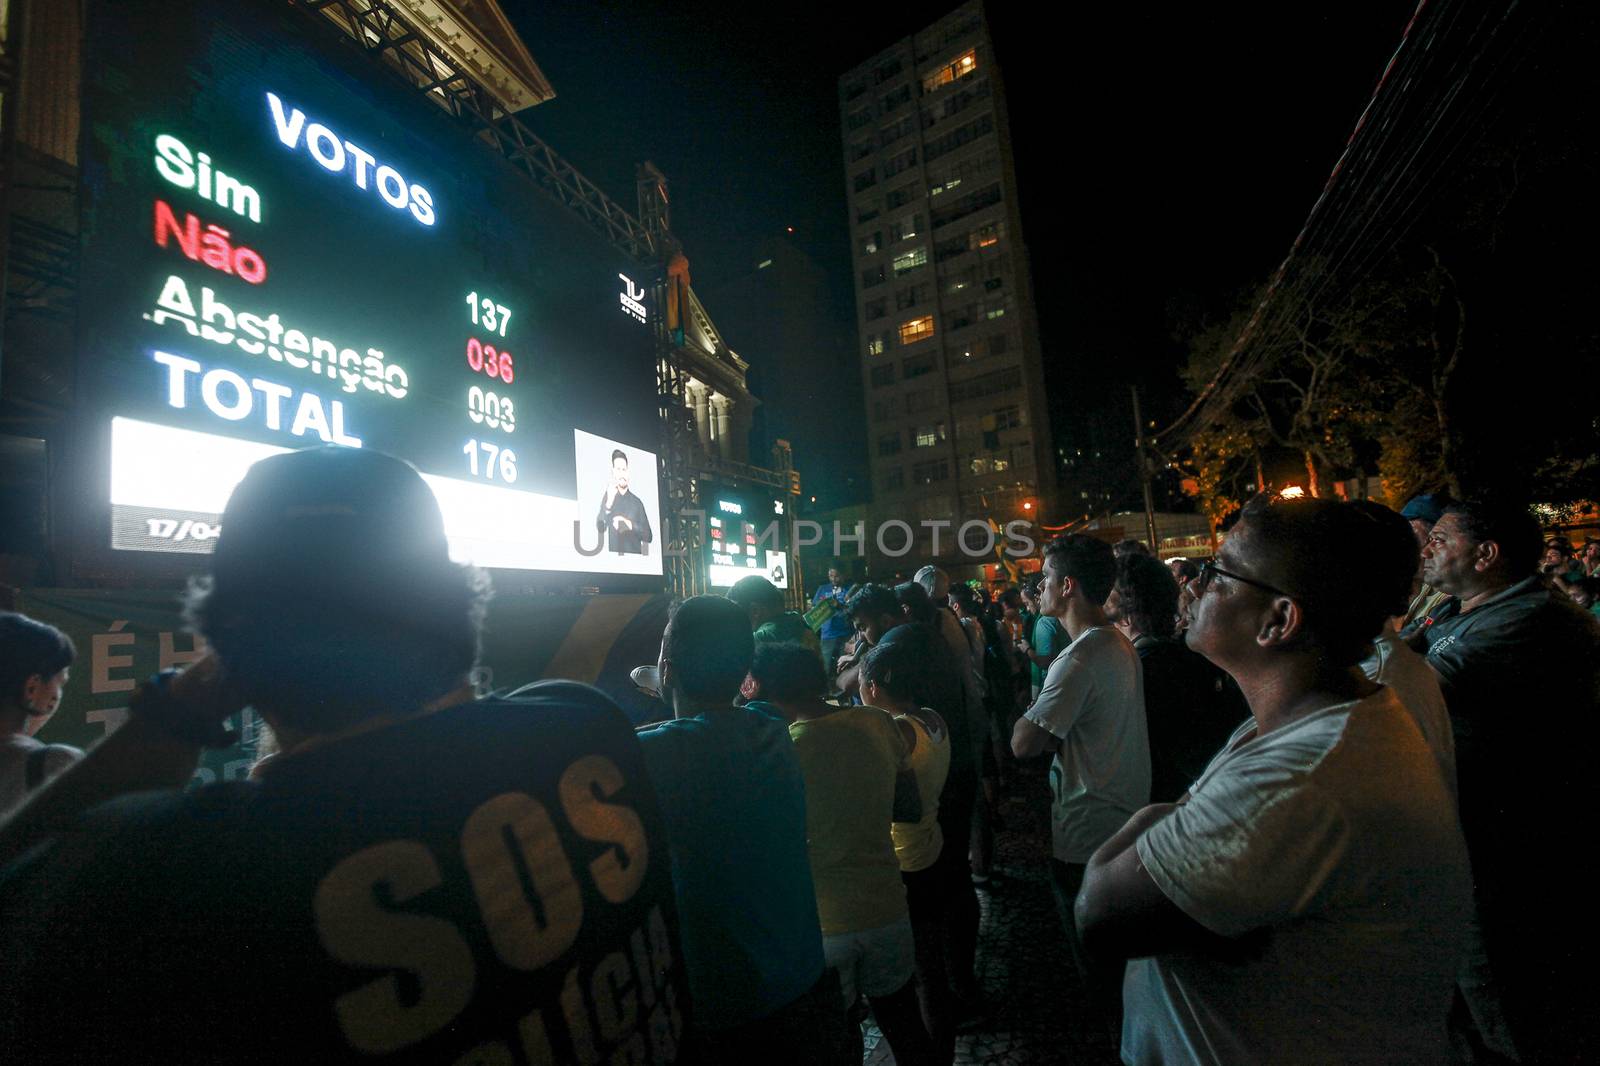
329	517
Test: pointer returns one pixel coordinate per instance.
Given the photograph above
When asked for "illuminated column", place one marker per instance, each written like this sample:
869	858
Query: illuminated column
724	435
702	423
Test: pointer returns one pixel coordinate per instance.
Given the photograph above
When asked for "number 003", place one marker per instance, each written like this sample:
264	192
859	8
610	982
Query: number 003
488	409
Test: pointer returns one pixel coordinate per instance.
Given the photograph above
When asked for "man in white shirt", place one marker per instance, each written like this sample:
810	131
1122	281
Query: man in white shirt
1090	713
1306	901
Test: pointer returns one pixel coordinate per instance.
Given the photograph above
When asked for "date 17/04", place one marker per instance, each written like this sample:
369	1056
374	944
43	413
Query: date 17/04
488	314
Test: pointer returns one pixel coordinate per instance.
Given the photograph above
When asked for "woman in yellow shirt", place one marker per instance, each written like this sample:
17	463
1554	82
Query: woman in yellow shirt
887	676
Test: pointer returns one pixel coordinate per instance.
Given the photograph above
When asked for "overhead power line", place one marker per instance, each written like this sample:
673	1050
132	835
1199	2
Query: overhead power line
1437	92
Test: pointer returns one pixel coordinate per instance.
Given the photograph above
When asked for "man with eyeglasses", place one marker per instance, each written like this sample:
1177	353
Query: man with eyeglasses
1305	901
1520	667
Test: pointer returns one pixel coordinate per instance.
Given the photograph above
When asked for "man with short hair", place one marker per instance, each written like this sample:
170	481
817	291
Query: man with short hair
622	516
1422	512
1191	707
734	801
837	629
1504	643
770	621
1306	901
415	876
1391	662
1590	557
936	583
1090	716
35	662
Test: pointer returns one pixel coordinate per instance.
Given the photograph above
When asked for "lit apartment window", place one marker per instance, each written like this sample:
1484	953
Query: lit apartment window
906	262
928	436
917	329
904	228
876	343
986	236
872	242
963	65
994	313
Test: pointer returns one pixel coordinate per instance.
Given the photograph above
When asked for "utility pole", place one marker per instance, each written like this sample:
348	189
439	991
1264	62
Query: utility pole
1144	475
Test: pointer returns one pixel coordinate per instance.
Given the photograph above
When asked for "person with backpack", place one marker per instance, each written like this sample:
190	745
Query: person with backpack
35	660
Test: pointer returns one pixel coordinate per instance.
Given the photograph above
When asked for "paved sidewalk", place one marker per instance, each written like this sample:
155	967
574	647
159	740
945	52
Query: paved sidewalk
1023	962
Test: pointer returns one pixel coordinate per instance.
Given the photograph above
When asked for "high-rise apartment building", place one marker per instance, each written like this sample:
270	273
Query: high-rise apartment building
949	336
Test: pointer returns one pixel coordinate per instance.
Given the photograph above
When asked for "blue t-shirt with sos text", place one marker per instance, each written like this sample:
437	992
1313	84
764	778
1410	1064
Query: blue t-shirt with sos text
489	882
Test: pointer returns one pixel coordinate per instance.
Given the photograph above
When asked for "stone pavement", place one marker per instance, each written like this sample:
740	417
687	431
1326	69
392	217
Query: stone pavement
1024	964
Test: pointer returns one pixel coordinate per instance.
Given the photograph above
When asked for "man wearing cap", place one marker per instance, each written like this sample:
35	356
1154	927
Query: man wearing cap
1422	512
1519	665
416	875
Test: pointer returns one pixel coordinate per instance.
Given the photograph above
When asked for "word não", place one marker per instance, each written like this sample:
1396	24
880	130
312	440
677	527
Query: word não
213	247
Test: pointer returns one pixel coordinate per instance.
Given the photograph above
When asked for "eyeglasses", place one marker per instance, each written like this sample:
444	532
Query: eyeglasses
1210	569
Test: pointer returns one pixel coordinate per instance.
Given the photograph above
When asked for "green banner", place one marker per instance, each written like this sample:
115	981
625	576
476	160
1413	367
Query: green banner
124	636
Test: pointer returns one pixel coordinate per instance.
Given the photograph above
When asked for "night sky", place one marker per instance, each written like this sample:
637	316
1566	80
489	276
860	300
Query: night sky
1166	159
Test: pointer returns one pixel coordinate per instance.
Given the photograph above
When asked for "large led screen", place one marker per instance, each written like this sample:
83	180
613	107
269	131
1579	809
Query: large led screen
284	246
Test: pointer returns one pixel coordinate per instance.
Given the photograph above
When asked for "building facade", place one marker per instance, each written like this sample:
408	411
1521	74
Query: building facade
781	304
951	362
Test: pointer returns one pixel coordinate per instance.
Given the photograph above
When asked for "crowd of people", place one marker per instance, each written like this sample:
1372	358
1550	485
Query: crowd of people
1315	799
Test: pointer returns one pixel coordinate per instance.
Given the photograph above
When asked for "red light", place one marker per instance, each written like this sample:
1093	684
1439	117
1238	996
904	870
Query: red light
1028	506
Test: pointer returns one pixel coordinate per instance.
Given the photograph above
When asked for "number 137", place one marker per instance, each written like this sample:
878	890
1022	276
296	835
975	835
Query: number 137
490	315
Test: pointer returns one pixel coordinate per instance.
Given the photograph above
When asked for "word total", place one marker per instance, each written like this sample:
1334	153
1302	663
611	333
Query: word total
230	396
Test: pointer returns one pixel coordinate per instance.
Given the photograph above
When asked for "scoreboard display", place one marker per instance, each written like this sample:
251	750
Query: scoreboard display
285	246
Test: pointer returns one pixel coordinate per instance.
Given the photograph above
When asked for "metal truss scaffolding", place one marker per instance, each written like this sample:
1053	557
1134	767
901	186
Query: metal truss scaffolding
387	37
